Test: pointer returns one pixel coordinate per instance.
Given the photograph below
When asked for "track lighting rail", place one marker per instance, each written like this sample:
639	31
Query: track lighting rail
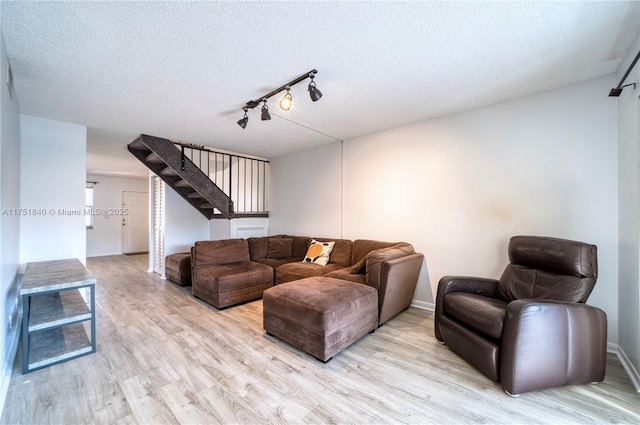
253	103
285	102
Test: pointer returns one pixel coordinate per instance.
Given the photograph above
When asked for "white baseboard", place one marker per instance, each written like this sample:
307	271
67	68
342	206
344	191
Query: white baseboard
8	368
626	364
422	305
104	254
4	389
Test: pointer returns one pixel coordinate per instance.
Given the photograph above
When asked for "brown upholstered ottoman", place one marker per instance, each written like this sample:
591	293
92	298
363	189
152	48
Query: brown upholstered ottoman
320	315
177	267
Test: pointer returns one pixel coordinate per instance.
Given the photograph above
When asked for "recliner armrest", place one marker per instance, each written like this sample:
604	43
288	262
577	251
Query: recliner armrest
475	285
552	343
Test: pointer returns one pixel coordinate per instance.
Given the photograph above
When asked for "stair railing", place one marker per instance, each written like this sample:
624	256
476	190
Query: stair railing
243	179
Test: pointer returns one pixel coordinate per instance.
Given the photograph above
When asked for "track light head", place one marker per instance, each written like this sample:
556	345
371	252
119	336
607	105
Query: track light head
615	92
618	90
285	102
265	111
314	93
243	122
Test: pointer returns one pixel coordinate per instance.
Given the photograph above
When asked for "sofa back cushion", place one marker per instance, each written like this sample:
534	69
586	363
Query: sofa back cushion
258	248
220	252
341	253
279	248
549	268
362	247
299	247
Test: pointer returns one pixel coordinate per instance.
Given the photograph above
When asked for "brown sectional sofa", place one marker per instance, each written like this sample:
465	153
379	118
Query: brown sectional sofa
385	266
319	309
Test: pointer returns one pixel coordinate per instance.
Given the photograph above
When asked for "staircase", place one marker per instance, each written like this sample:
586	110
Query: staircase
163	158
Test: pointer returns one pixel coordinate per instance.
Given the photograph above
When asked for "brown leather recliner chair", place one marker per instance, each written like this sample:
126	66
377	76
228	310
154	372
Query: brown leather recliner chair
530	330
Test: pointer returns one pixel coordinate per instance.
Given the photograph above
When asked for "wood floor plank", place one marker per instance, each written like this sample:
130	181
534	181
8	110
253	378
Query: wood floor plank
165	357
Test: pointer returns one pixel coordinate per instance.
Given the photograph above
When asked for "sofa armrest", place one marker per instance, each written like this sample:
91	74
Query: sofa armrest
474	285
552	343
398	279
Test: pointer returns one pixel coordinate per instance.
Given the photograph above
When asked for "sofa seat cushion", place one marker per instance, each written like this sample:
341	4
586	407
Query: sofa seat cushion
294	271
483	314
347	274
233	276
274	263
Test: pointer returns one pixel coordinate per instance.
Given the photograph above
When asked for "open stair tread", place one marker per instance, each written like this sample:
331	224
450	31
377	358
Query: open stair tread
168	171
152	157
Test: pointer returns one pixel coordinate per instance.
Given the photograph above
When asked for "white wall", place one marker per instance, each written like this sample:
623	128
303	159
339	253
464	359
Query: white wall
184	225
53	171
305	193
105	238
629	230
9	225
219	229
458	187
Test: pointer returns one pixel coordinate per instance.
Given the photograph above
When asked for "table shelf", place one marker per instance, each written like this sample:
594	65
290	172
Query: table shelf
57	309
55	345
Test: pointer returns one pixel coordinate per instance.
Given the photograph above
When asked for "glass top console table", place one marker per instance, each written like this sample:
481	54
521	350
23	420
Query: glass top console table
55	315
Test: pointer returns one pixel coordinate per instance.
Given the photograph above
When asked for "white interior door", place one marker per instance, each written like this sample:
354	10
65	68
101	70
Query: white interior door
135	222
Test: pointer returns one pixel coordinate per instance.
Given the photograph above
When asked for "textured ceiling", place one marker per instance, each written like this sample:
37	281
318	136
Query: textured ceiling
183	70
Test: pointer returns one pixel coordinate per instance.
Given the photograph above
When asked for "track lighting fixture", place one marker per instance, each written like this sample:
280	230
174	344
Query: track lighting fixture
615	92
314	93
243	122
265	111
286	102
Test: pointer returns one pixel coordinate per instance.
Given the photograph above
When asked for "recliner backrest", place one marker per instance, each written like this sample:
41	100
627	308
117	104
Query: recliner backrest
549	268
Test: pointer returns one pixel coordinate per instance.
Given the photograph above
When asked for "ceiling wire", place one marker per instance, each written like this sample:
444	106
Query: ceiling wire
307	127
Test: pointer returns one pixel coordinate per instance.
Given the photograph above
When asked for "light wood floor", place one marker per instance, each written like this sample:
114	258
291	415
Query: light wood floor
164	358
